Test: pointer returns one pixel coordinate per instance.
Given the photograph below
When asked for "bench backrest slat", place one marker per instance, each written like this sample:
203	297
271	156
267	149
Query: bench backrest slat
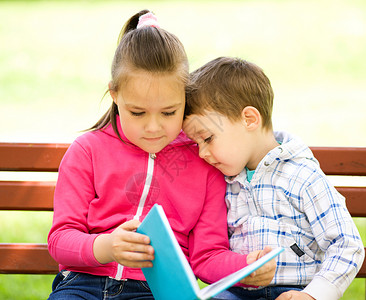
31	157
26	195
26	259
341	160
355	200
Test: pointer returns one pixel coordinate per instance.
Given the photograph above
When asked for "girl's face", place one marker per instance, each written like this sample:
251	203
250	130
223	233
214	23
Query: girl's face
151	107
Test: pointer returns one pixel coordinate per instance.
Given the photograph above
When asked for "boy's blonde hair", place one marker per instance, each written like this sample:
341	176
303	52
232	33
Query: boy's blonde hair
227	85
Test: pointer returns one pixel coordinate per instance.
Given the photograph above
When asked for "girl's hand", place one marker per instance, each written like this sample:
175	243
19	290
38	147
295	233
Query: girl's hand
294	295
264	275
125	246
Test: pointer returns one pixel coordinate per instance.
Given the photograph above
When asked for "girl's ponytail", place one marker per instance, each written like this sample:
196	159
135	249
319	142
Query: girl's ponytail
143	45
131	24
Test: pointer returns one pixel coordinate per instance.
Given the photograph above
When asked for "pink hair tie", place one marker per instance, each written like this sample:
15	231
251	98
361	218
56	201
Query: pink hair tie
148	19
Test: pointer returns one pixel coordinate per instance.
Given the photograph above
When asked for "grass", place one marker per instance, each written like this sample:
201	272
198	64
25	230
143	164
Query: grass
55	61
25	227
27	287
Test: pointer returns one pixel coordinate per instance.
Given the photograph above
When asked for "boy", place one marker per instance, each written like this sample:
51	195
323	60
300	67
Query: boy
277	194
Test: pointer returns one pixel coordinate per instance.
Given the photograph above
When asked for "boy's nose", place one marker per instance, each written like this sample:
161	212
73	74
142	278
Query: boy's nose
203	152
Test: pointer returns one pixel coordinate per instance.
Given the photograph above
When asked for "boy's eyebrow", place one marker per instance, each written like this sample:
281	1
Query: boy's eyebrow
200	131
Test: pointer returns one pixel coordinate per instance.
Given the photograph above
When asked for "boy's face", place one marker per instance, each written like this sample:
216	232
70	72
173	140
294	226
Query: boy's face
222	143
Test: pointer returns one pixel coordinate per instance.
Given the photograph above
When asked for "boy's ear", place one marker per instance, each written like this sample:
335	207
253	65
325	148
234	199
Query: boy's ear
112	92
251	117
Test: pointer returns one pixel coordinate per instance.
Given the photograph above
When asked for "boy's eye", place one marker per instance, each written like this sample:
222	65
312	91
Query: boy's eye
208	140
137	114
170	113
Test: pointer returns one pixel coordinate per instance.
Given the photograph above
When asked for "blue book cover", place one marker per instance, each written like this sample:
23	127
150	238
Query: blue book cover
171	276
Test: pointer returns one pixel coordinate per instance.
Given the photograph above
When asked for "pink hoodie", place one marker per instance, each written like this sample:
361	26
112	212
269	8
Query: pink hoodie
104	182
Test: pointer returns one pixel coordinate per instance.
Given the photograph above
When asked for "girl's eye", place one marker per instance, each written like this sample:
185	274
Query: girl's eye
137	114
171	113
208	140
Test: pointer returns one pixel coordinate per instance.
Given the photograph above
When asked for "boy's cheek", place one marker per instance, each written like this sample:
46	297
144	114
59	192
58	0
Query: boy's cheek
184	125
186	130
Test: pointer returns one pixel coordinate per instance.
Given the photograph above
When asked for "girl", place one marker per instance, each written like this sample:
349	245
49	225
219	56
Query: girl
135	156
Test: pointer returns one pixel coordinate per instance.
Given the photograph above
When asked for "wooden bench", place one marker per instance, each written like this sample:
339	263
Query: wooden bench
18	258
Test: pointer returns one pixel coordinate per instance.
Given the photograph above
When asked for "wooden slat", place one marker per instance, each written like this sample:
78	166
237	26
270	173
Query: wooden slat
362	272
341	160
355	200
26	195
31	157
46	157
26	259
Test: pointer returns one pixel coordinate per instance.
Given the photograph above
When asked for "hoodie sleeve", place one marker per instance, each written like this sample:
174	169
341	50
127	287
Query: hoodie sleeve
69	242
209	252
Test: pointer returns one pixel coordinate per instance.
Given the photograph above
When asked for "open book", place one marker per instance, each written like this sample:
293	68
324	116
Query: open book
171	276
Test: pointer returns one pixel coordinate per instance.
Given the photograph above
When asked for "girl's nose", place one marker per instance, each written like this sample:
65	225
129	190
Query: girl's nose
153	125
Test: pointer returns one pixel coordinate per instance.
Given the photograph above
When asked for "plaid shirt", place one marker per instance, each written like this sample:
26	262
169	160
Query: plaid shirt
289	202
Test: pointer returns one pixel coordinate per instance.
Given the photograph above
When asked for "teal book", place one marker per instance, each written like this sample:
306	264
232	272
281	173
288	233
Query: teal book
171	276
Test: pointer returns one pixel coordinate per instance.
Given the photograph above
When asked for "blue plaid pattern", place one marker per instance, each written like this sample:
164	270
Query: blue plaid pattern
290	202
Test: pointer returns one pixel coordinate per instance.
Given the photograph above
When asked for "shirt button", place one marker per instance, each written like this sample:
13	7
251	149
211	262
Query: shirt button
266	163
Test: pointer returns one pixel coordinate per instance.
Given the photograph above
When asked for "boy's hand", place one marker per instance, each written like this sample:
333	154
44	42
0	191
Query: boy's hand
125	246
264	275
294	295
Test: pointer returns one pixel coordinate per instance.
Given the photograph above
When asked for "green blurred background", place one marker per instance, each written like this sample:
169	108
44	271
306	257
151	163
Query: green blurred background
55	59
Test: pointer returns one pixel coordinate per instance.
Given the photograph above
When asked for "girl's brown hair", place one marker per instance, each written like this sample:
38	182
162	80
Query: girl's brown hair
149	49
227	85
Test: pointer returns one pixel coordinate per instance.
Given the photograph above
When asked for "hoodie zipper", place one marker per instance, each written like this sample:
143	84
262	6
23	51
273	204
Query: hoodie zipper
145	192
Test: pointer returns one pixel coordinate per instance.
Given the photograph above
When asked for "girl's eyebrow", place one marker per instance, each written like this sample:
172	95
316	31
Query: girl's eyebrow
133	106
172	106
142	108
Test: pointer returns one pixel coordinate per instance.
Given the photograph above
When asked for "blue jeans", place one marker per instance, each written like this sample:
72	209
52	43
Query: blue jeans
73	285
266	293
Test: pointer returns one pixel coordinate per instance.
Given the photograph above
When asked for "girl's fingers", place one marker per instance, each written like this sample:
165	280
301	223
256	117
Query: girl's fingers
130	248
133	247
130	225
124	246
136	264
133	237
126	232
134	255
129	257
